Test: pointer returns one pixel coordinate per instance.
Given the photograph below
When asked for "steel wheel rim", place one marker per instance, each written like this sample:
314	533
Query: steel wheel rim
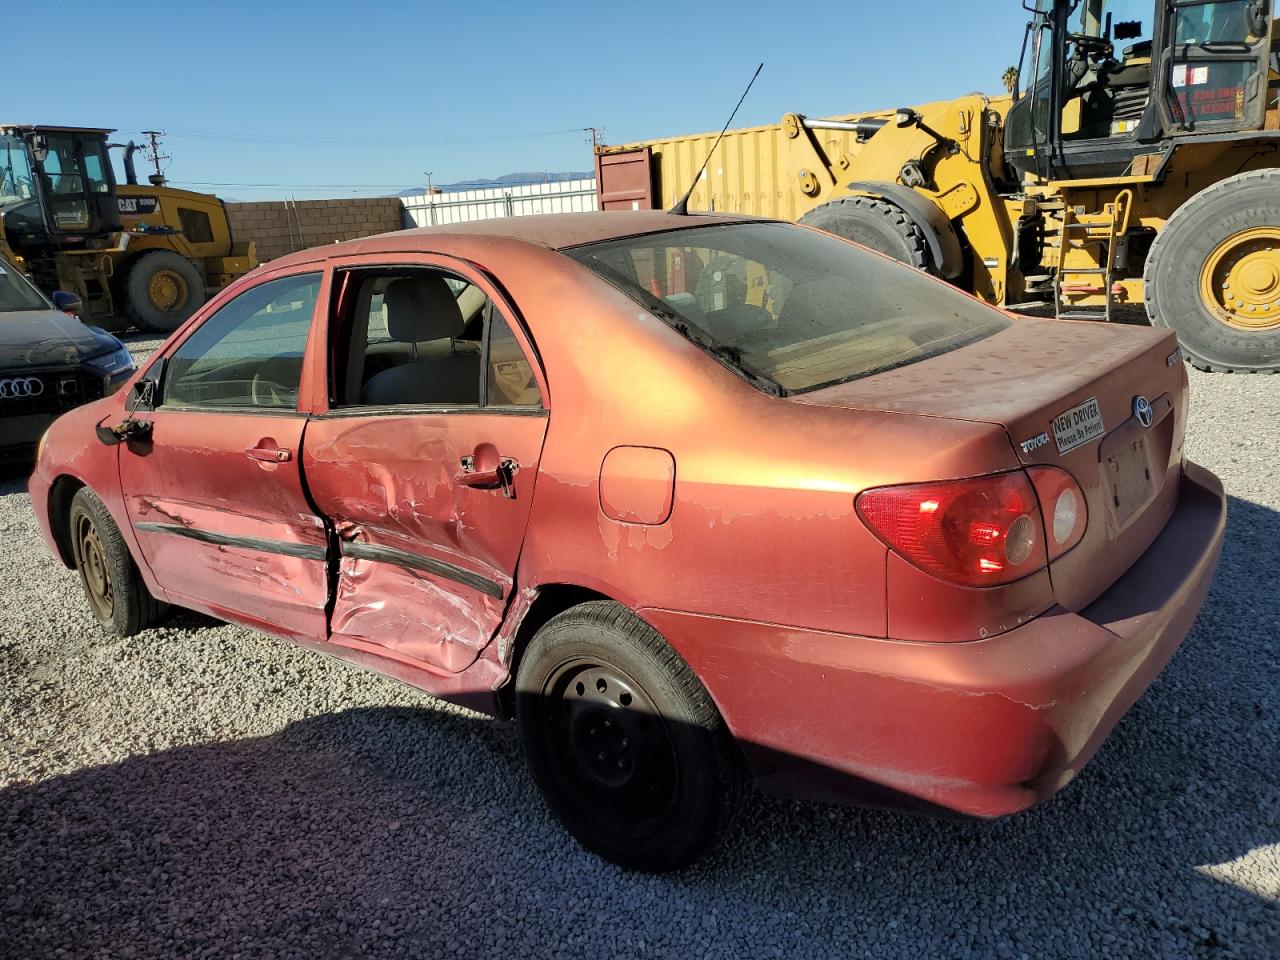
610	745
1240	281
93	568
167	290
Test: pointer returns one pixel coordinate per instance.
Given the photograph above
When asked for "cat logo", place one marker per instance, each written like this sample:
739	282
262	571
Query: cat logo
139	206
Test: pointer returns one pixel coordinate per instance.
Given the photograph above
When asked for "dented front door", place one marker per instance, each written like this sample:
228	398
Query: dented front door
214	492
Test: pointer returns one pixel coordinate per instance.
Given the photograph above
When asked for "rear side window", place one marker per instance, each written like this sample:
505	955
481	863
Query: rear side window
792	309
249	353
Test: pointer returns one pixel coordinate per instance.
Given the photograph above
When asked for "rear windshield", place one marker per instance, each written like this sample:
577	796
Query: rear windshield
792	309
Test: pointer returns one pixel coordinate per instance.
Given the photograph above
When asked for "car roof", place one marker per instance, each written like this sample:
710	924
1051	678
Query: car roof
554	231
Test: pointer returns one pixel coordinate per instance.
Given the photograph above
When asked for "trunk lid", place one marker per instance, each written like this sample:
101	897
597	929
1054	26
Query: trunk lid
1065	393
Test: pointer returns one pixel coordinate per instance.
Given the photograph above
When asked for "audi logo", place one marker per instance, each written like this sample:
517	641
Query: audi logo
16	387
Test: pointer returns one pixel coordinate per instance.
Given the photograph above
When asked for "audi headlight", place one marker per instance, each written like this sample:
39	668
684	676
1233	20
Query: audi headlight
113	363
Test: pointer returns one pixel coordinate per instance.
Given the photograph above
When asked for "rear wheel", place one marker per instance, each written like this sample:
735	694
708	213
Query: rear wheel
623	740
162	290
875	224
1213	275
111	581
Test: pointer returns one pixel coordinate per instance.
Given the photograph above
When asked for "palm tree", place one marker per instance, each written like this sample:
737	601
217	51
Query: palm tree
1010	79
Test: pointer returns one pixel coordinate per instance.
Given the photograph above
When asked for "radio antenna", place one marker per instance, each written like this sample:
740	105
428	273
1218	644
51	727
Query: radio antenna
682	206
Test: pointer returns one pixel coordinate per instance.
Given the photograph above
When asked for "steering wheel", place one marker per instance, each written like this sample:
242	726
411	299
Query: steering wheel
268	393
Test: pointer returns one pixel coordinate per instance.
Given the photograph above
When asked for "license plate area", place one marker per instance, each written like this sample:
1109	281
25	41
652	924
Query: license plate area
1130	483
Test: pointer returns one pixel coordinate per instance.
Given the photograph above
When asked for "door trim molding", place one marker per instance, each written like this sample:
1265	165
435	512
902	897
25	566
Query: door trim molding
412	561
303	551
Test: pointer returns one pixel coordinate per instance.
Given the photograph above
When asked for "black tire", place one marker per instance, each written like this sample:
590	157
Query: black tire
111	581
875	224
1181	252
166	317
623	740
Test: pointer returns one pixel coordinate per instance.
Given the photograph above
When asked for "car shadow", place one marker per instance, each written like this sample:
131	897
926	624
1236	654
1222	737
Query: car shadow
390	831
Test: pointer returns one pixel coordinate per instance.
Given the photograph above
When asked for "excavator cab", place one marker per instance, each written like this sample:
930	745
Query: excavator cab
57	188
1107	81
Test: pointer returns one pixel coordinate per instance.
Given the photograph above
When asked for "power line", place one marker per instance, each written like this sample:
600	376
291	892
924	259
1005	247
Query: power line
308	140
295	186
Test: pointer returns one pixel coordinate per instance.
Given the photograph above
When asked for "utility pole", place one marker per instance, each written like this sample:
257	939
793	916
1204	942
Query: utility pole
155	156
430	198
597	137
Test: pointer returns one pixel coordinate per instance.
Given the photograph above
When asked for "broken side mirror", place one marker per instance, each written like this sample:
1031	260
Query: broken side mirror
143	395
68	303
145	392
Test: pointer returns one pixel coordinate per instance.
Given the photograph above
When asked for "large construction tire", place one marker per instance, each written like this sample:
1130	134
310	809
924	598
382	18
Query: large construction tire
875	224
162	290
1213	275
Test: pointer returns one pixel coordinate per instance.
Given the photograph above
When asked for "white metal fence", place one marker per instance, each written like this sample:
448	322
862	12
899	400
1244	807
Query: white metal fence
567	196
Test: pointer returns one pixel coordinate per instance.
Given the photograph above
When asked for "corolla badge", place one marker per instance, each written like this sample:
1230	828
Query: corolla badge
1142	410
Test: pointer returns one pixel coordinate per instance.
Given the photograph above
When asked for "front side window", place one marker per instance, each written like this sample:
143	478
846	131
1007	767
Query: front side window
419	337
249	353
790	308
15	170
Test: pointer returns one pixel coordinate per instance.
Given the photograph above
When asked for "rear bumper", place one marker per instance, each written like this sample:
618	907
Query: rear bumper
984	728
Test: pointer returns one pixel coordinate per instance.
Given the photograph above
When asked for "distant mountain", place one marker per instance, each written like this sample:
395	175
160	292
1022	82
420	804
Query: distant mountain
506	180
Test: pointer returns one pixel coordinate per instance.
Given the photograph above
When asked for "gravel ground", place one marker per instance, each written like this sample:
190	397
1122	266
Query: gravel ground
203	791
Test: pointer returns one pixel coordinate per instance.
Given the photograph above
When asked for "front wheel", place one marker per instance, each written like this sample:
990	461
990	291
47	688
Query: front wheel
1213	275
624	741
112	584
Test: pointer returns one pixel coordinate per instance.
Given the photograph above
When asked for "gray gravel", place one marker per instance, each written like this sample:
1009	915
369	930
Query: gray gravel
202	791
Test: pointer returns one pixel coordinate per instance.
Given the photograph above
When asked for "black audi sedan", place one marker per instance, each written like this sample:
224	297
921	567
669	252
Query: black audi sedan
49	362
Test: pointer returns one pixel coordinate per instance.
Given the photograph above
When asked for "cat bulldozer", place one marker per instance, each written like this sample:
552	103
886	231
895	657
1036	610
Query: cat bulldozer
1133	169
142	255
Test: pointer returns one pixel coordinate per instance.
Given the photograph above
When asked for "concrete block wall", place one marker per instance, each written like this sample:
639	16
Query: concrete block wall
279	227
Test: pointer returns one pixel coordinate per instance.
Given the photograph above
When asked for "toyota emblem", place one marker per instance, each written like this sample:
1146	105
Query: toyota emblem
16	387
1142	410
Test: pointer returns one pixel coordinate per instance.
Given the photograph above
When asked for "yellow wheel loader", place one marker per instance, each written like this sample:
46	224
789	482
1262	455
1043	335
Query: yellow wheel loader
141	255
1136	164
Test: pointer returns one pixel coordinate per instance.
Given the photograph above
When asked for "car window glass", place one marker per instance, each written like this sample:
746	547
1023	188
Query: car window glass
97	177
416	338
511	381
249	353
16	293
791	307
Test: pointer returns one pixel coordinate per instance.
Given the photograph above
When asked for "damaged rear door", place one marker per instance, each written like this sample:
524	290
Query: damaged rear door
424	462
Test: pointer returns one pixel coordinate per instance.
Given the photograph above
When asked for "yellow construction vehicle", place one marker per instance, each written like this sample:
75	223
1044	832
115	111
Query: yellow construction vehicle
1137	162
142	254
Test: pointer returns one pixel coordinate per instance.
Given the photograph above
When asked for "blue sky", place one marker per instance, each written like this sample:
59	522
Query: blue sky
328	99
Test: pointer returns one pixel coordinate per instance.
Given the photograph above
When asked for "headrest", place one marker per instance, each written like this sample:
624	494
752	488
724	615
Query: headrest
421	308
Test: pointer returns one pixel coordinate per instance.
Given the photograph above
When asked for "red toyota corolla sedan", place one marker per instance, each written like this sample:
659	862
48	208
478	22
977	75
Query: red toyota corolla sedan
694	498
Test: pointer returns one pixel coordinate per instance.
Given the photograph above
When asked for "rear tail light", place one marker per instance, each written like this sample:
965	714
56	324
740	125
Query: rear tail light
978	532
1062	501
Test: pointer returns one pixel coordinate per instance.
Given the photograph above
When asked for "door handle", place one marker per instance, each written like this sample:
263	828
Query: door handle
268	454
503	475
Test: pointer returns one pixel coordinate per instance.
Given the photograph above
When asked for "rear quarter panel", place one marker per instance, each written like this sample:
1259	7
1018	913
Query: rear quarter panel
763	525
